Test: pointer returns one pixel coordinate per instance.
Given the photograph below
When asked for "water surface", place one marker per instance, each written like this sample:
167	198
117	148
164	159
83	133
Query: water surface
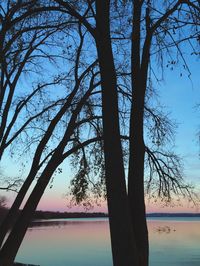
86	242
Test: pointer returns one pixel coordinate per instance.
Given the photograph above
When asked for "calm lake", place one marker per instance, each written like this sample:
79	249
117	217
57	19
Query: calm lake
85	242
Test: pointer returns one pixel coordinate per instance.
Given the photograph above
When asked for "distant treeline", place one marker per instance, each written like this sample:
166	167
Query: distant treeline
173	214
58	215
61	215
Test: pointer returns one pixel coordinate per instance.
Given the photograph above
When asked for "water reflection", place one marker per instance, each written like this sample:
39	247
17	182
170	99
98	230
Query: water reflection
63	222
86	242
174	243
68	242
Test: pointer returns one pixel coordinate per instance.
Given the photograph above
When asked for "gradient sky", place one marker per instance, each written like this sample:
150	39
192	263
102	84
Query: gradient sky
180	96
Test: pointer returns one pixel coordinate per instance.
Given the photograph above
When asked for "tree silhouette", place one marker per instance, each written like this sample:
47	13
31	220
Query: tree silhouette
85	83
24	34
156	31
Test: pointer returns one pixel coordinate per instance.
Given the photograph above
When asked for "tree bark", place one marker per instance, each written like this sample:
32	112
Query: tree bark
122	238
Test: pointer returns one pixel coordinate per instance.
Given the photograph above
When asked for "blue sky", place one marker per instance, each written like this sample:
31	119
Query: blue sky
180	96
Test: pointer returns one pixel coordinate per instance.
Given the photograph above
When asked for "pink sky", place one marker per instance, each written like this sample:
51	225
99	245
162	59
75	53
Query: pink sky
59	203
52	201
55	200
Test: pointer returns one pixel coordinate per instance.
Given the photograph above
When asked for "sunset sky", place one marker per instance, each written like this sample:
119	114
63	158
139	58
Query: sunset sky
180	96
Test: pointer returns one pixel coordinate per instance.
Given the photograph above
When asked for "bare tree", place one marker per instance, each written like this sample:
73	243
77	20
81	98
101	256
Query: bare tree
24	35
148	24
152	28
45	165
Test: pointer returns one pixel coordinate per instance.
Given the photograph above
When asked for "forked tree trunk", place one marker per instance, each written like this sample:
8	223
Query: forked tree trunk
122	237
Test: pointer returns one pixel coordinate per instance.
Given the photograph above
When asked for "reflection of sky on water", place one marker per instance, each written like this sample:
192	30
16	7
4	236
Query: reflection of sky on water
85	242
72	242
180	245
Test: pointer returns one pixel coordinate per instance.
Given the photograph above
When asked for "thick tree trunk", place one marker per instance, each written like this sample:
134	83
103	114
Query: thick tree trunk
136	186
139	71
122	237
136	168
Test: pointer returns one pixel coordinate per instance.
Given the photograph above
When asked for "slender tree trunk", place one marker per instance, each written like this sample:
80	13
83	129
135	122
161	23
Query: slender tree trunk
122	237
13	242
12	214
